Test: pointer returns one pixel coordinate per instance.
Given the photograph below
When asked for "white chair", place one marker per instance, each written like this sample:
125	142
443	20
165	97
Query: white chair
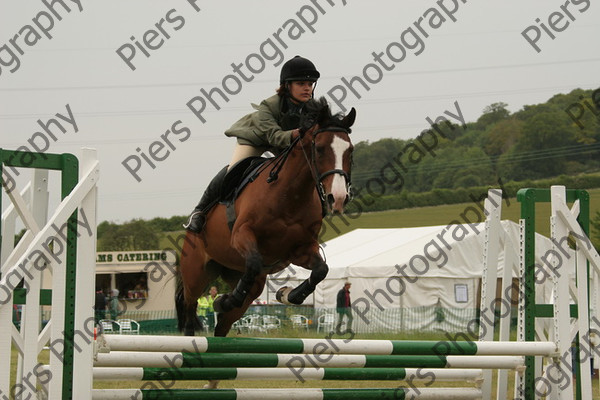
326	321
204	321
129	326
254	322
271	322
240	325
299	321
110	326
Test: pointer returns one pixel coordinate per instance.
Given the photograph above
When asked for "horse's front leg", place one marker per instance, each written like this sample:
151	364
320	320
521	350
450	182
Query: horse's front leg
295	296
245	243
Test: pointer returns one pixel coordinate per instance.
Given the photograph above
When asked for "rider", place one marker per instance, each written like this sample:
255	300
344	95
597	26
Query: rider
270	128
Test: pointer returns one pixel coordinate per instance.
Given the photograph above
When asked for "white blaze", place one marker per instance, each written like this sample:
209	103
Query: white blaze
338	187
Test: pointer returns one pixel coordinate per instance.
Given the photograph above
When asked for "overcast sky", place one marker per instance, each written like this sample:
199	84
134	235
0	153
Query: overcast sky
474	55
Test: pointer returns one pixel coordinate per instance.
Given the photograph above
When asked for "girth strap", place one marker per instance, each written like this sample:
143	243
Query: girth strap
230	214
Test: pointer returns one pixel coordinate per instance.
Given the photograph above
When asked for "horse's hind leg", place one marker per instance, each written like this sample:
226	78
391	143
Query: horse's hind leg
186	302
295	296
195	277
245	242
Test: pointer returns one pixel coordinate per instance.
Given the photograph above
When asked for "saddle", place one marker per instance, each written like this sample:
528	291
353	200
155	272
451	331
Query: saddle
240	175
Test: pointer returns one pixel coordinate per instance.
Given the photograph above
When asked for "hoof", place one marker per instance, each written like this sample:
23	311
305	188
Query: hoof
189	332
211	385
282	295
222	304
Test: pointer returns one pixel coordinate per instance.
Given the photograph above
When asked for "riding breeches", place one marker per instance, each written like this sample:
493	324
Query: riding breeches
242	151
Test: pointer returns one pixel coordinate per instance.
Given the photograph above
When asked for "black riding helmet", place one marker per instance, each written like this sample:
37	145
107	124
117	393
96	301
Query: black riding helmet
299	69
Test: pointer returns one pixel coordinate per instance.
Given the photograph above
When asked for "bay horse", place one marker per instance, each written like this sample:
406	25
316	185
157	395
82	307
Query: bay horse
279	217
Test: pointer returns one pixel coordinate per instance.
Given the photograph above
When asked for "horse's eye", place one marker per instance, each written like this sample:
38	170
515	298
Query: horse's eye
320	150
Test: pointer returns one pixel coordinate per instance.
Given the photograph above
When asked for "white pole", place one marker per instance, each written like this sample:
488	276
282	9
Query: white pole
562	315
85	284
489	280
35	216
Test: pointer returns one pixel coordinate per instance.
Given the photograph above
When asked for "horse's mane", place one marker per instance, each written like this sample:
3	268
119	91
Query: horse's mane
319	112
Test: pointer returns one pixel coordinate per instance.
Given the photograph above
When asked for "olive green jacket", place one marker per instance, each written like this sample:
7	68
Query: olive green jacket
267	127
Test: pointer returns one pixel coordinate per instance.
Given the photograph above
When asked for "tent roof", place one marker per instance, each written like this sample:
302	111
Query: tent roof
369	257
435	251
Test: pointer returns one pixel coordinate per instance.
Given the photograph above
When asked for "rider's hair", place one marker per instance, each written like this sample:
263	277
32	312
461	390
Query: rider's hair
283	90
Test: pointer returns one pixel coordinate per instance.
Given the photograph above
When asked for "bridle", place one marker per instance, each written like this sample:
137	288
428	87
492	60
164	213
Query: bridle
277	163
317	175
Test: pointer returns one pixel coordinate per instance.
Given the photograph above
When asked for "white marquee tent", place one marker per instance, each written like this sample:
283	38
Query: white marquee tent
405	268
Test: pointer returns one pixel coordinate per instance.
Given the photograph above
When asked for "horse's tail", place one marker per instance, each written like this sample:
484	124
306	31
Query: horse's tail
179	301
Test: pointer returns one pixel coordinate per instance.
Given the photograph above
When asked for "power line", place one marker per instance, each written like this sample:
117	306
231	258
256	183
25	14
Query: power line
351	41
418	72
408	99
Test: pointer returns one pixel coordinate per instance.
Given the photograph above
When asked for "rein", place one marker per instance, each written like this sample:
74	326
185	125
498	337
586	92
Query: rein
277	162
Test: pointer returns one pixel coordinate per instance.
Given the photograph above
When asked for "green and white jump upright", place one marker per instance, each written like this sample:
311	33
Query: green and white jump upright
553	294
54	244
567	311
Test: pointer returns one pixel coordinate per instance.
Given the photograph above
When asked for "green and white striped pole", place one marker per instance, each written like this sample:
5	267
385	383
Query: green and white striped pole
299	361
305	374
289	394
322	346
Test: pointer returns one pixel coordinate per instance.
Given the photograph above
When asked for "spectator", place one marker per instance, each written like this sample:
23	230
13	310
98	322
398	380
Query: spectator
206	312
343	308
114	304
100	305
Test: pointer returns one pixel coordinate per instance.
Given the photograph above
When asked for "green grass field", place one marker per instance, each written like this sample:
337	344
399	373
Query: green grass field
431	216
443	215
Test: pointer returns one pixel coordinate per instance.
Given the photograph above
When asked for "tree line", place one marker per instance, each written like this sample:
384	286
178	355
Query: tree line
539	141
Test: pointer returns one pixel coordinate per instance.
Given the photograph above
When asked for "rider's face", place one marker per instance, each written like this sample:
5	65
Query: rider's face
301	91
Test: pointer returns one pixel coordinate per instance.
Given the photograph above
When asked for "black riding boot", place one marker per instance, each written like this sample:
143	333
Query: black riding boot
208	200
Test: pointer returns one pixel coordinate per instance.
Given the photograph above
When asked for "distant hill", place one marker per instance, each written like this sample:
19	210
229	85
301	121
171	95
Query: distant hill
558	137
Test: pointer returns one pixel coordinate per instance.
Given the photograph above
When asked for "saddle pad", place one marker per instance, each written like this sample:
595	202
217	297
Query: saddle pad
240	175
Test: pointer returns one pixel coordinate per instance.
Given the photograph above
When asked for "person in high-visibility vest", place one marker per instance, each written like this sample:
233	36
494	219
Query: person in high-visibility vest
205	309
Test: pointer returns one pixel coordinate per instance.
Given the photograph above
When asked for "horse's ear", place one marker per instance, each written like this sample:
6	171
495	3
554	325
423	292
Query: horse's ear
324	116
348	120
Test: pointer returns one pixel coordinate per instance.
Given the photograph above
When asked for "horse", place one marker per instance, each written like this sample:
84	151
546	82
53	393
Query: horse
279	217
